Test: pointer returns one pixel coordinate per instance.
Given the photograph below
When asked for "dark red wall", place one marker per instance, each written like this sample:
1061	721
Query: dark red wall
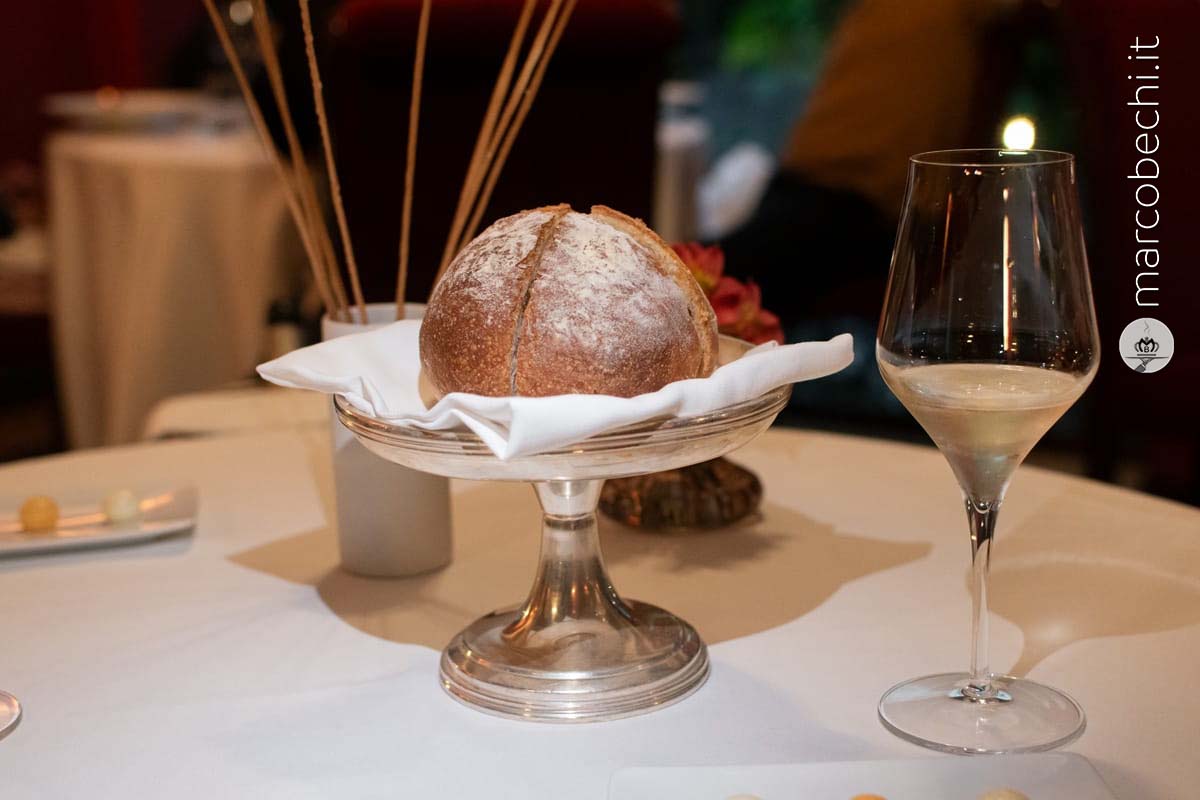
61	45
1155	413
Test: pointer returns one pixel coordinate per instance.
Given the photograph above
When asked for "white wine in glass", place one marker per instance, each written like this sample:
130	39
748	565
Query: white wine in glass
985	418
988	335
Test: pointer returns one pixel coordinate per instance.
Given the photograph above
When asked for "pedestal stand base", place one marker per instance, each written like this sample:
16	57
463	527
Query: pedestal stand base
576	670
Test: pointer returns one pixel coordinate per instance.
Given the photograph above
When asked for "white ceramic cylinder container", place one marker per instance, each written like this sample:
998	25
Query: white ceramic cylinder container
392	521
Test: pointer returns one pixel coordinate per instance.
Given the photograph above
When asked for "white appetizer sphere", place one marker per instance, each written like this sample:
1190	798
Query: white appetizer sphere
121	507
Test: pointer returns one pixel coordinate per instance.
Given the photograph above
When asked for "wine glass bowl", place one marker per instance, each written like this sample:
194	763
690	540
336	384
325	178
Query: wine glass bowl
988	335
10	714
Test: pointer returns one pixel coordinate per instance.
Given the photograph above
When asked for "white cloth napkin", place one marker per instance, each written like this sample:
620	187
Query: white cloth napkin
378	372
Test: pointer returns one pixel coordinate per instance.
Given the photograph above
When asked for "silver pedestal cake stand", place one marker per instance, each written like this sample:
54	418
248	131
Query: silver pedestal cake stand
575	651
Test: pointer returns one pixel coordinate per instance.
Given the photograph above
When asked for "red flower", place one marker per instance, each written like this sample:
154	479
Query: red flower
706	263
738	305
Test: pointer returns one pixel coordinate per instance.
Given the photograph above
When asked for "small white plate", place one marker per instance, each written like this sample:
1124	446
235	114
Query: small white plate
126	109
163	514
1041	776
132	109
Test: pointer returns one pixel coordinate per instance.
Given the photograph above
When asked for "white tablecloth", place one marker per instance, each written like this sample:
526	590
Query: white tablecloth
246	410
167	250
240	662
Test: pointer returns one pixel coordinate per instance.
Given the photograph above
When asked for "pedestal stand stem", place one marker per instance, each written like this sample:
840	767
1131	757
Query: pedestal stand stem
571	581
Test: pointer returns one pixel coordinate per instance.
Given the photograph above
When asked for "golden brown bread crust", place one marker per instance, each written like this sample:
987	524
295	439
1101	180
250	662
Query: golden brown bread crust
550	301
467	331
705	318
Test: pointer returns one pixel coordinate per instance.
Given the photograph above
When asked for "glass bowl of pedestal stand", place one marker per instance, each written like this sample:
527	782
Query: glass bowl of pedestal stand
575	651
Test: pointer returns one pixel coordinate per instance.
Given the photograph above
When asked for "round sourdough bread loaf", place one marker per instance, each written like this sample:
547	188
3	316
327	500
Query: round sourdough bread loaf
550	301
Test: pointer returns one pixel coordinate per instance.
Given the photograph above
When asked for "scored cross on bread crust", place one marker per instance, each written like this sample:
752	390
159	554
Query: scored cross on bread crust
475	309
551	301
705	317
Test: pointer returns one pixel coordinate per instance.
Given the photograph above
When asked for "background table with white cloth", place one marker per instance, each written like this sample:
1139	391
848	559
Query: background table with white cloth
241	662
167	249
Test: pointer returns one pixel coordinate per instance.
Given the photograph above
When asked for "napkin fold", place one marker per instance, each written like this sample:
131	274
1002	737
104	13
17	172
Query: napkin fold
378	372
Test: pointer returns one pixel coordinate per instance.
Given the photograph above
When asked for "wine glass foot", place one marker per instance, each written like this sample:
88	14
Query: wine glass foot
933	712
10	714
575	670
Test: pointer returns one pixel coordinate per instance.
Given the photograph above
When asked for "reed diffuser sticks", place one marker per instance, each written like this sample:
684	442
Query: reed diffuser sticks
526	98
497	134
510	101
303	177
483	139
410	158
286	179
335	186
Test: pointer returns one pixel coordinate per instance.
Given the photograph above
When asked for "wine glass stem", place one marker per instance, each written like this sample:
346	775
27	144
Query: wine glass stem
982	518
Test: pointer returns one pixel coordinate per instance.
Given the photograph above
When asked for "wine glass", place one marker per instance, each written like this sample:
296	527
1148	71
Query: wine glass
10	713
988	335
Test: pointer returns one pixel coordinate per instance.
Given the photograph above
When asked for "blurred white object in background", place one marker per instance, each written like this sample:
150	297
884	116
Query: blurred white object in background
730	192
682	141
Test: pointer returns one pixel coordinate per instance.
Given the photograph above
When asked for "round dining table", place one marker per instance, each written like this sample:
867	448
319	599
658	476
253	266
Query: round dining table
239	660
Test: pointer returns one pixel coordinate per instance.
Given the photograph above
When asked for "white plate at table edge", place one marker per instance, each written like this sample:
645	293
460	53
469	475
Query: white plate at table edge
83	528
1041	776
129	108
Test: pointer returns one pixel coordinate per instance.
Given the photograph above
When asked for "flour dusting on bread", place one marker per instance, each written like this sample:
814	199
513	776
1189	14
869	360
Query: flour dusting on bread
592	304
